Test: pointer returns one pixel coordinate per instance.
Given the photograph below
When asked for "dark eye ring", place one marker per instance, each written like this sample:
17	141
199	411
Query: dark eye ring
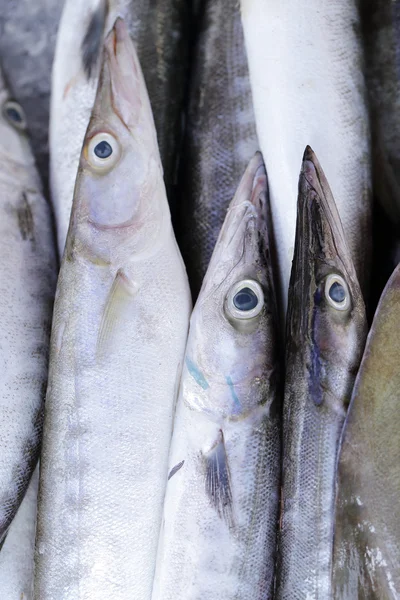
337	292
245	299
14	114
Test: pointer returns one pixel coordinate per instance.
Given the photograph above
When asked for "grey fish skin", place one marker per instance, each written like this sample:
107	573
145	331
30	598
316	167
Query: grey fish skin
366	552
380	21
27	283
27	39
16	556
220	135
324	345
159	32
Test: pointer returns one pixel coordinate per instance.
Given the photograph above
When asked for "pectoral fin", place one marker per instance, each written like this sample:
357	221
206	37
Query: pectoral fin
122	291
217	479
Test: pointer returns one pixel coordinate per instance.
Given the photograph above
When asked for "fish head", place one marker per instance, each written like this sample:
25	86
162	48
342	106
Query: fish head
232	342
120	211
14	144
326	313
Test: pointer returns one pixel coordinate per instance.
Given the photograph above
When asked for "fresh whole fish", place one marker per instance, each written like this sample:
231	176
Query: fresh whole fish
381	29
27	39
157	28
218	538
305	62
220	136
326	331
367	521
27	282
119	331
16	556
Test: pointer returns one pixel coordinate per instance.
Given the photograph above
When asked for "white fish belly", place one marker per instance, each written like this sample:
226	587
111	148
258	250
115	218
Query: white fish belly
305	64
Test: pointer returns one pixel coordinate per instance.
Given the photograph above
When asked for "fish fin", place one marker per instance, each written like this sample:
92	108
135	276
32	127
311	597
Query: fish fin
92	42
25	218
122	291
218	481
175	469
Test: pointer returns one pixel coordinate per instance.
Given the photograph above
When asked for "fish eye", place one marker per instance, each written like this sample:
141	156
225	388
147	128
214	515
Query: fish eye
103	151
14	114
245	300
337	292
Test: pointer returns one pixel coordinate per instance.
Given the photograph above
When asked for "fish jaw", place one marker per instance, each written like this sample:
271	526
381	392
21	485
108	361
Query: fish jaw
107	228
320	252
217	367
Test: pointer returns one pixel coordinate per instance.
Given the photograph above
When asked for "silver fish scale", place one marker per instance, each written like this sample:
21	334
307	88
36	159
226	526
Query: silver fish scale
220	135
27	283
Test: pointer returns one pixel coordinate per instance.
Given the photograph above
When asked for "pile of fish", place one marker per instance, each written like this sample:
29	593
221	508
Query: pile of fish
246	447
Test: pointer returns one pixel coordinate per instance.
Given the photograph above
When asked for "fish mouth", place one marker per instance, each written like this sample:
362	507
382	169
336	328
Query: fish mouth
122	78
249	205
320	245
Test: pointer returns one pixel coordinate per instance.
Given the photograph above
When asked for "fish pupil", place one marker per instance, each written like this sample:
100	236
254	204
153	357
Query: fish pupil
14	115
337	292
245	299
103	149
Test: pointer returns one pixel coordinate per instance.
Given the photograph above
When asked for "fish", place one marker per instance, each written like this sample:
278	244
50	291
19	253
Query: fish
120	326
220	134
159	31
366	548
218	535
27	40
306	75
380	24
326	329
16	556
28	273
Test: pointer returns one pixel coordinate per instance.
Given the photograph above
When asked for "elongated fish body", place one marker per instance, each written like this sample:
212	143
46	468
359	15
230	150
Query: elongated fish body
220	135
119	332
27	283
16	556
157	29
218	537
381	29
27	40
305	63
325	337
367	521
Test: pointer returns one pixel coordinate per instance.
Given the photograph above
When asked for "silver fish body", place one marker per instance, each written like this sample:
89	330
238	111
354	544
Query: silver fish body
220	135
218	536
27	40
27	282
16	556
305	62
325	337
366	557
119	331
158	30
